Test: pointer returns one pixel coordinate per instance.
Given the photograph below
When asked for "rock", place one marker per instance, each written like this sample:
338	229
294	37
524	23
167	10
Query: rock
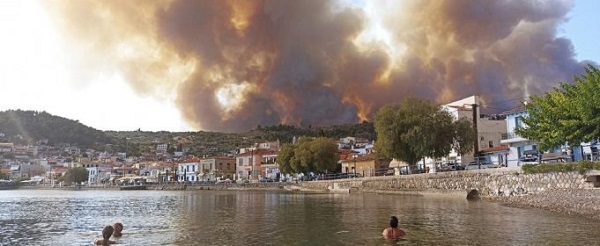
473	195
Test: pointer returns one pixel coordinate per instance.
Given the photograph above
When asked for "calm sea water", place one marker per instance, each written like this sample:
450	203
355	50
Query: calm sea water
58	217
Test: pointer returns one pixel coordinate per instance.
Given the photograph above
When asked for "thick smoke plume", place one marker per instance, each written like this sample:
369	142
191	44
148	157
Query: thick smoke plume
232	65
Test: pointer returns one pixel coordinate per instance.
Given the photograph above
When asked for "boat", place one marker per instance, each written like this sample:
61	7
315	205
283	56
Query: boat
133	187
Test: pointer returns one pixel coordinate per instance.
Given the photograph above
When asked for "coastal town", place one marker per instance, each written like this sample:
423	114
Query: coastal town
498	146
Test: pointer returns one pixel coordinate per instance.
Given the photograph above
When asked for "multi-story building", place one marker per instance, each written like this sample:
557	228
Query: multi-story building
221	167
188	170
249	165
524	150
518	146
489	131
162	147
268	165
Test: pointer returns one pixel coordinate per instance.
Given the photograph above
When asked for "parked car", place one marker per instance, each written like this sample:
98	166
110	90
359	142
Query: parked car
476	165
528	160
451	166
267	180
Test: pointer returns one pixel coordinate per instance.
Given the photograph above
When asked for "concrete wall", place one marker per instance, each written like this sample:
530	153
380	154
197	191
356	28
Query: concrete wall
489	182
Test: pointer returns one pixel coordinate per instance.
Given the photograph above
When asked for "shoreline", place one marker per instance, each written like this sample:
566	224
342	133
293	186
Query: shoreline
580	203
574	202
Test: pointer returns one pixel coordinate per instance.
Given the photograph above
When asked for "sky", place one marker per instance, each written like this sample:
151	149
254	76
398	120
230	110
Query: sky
41	69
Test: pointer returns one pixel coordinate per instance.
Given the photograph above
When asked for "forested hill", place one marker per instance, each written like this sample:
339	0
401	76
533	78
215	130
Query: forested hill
27	127
216	143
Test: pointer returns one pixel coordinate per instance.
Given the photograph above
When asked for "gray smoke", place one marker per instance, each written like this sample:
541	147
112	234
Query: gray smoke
232	65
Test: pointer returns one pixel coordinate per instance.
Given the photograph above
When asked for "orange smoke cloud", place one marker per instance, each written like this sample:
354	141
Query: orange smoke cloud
232	65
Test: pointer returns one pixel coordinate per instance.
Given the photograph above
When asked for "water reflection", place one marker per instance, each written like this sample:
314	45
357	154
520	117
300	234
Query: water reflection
274	218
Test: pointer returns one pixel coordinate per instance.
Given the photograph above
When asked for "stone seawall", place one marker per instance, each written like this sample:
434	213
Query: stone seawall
562	192
489	182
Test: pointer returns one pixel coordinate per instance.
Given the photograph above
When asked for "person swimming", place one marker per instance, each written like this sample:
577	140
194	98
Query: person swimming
118	229
106	233
393	232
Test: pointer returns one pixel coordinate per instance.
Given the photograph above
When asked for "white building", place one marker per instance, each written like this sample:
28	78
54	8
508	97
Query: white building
207	171
187	170
162	147
519	146
489	132
93	175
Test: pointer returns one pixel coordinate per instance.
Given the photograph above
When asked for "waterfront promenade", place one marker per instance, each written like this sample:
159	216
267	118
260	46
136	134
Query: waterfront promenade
567	193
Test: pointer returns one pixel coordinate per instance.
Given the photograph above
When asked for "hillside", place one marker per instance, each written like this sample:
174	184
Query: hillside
27	127
216	143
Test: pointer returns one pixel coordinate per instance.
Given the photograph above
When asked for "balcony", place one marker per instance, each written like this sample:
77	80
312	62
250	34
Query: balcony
511	137
267	163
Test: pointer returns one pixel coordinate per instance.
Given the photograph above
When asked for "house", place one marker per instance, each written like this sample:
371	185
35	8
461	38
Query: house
162	148
249	165
104	173
221	167
188	170
274	145
518	146
522	149
366	165
93	175
7	147
490	130
122	171
269	167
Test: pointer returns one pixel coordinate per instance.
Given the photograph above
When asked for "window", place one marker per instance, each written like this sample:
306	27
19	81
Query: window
491	144
240	162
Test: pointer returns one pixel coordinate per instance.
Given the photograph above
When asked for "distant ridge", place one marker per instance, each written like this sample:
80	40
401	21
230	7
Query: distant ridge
27	127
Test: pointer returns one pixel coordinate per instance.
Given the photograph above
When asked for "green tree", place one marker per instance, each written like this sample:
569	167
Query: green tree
285	158
309	155
77	175
464	136
568	114
417	128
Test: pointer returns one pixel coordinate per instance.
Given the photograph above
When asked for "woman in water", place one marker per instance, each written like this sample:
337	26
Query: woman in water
106	233
393	232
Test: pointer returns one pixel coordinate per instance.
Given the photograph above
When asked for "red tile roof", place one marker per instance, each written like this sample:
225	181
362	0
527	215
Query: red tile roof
346	154
259	152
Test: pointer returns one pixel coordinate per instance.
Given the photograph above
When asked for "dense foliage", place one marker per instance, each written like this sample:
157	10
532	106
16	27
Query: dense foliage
286	133
581	167
76	175
568	114
417	129
319	155
27	127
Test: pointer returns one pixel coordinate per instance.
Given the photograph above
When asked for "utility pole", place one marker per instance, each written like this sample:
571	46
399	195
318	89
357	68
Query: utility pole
476	144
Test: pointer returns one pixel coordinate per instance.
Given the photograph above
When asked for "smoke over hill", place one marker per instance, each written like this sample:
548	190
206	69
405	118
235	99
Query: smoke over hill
232	65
